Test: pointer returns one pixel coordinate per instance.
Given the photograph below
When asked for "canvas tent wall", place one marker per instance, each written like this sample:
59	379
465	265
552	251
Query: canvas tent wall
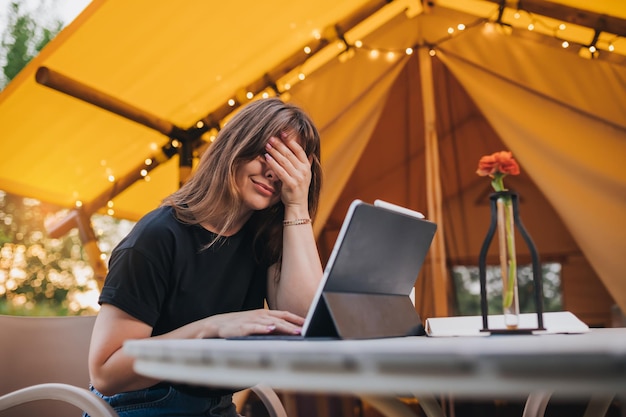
496	91
561	115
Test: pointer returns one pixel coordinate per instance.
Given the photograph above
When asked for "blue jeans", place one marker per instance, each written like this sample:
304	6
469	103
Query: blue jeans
167	401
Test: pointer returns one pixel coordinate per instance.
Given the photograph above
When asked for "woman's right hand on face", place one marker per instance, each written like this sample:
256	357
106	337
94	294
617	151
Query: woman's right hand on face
261	321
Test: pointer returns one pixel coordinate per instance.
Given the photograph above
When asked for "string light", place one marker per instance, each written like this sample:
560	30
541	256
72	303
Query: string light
347	51
332	35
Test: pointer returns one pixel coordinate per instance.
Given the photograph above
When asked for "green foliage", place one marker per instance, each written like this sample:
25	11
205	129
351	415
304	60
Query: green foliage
23	38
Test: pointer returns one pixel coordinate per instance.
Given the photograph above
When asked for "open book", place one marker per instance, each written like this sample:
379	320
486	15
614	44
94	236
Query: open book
554	322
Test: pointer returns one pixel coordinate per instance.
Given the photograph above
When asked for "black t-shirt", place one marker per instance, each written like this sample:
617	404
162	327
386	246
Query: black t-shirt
163	274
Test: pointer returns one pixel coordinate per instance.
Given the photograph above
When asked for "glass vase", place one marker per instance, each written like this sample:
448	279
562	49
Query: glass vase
508	261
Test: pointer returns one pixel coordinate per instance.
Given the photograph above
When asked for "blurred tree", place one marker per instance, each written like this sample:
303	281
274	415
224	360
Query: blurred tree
24	36
38	275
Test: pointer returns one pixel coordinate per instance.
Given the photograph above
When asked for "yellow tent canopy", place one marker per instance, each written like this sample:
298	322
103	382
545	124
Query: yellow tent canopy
405	127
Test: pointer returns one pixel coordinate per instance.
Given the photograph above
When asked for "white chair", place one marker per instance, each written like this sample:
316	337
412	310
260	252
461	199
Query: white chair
43	369
43	363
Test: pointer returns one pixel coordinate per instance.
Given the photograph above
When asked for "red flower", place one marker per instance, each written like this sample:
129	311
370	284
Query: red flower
497	163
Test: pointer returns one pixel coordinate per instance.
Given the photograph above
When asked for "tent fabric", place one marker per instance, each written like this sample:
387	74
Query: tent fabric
574	150
177	62
561	115
345	118
520	122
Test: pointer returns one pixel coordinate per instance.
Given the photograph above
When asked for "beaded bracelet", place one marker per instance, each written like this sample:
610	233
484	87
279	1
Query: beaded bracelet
296	222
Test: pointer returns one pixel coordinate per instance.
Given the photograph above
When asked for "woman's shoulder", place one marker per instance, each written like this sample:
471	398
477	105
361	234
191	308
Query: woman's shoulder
156	226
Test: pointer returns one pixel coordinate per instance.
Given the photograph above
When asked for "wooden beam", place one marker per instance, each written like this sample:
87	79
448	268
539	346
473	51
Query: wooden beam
57	81
298	58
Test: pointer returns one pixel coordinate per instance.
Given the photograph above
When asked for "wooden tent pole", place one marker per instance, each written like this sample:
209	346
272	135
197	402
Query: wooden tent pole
187	137
77	218
57	81
80	217
439	272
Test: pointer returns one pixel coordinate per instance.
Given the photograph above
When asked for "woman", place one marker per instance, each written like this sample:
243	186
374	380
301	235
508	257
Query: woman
238	233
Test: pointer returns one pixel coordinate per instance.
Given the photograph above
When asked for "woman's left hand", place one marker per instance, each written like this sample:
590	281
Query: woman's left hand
292	167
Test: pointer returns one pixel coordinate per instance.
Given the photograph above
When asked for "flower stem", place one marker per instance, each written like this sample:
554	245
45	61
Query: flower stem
510	247
511	271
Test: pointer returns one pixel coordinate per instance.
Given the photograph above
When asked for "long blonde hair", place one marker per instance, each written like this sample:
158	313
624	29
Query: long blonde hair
211	195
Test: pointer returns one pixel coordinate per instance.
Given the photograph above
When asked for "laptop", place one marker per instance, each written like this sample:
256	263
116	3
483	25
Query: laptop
365	290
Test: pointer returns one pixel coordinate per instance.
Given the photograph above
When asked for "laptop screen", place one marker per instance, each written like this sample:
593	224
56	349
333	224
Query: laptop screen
371	271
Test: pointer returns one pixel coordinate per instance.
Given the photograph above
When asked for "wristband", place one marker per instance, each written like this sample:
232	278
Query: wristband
296	222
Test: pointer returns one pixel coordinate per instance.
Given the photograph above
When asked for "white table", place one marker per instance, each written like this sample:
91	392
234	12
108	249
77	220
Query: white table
575	365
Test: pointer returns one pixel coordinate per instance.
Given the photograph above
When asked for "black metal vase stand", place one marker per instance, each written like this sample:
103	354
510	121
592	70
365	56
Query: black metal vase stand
537	275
